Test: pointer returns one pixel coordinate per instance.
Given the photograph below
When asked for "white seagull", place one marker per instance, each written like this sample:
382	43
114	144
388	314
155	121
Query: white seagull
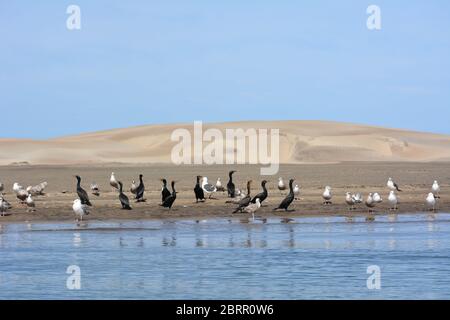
133	187
296	192
377	198
30	203
281	185
219	186
431	201
392	185
435	189
113	181
80	209
208	188
252	207
95	189
370	203
350	200
392	200
327	195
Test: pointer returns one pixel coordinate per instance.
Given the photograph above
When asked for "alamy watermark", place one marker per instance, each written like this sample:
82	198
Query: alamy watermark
73	281
374	280
237	146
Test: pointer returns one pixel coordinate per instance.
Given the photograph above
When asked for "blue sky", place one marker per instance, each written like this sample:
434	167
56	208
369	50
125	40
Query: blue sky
144	62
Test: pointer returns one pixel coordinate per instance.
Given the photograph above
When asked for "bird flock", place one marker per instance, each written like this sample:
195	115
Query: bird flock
204	190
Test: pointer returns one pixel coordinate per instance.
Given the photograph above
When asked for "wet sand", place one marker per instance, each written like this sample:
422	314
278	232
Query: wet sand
415	180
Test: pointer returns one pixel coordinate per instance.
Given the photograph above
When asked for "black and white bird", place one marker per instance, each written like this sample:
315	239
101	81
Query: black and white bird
350	200
168	202
113	182
392	185
263	194
95	190
284	205
30	203
4	205
207	187
435	189
133	187
370	202
124	201
2	187
140	190
80	209
82	194
231	189
21	193
199	193
253	207
246	200
219	186
164	191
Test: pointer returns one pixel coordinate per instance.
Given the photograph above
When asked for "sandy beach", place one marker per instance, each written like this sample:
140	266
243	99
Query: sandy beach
415	180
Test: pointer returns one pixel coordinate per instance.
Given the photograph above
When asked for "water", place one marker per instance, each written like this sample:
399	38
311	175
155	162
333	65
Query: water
311	258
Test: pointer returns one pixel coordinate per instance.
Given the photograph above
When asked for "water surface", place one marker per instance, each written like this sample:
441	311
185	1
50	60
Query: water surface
309	258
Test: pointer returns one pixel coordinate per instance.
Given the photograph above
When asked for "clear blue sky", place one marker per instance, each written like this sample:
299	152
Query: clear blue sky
143	62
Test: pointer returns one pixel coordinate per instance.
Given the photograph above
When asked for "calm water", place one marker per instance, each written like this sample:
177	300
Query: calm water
217	259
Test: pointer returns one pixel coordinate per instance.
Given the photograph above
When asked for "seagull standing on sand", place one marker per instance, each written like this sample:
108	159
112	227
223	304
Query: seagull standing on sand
17	187
124	201
435	189
22	195
231	189
392	200
82	194
252	207
219	186
289	198
392	185
350	200
377	198
30	203
327	195
207	187
140	190
370	203
431	201
4	205
296	192
281	185
113	182
95	189
133	187
80	209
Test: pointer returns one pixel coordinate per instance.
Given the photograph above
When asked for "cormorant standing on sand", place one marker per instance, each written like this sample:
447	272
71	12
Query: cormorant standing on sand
199	194
123	198
82	194
262	195
140	190
230	185
164	191
289	198
168	202
246	200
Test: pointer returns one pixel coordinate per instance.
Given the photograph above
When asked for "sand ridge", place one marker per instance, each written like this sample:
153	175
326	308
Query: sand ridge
300	142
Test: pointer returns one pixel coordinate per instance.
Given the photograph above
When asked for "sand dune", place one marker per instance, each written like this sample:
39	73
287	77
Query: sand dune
300	142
